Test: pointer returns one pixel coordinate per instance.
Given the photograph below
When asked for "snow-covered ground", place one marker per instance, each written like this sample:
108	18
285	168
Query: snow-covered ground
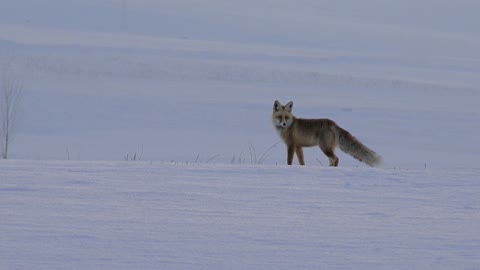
142	215
187	87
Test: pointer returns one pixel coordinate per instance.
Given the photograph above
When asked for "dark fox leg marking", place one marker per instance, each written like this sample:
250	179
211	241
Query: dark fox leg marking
291	152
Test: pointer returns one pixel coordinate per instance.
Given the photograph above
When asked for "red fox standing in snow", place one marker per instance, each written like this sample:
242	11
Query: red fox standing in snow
298	133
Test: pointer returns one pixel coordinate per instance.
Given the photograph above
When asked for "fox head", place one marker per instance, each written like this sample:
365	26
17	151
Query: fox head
282	116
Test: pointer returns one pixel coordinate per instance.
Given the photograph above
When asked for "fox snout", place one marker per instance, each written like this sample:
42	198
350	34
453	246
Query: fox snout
282	123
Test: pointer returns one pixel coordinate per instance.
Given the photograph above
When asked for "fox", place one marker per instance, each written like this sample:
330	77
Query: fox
297	133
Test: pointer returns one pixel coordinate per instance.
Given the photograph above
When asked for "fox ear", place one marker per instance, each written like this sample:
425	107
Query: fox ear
289	106
277	106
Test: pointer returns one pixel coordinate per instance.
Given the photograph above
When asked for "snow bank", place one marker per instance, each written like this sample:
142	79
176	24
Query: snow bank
124	215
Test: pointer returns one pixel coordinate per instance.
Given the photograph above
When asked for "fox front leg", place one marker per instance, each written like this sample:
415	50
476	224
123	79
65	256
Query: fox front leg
299	152
290	153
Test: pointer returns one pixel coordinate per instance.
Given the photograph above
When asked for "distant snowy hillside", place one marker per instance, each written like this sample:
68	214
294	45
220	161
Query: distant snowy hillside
183	81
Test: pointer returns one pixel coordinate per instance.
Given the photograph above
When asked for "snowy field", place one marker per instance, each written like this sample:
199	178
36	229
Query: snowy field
141	215
186	88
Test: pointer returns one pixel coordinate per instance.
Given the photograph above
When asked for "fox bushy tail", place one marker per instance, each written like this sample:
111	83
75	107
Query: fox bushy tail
350	145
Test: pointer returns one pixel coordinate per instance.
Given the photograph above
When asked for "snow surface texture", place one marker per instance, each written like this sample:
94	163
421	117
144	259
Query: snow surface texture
141	215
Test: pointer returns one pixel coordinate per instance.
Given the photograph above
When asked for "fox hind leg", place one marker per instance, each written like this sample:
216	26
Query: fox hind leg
330	153
327	144
332	158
